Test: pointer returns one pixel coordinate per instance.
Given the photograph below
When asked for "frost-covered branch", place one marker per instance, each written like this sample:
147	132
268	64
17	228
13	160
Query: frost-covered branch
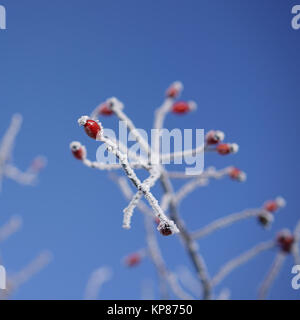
7	143
203	180
240	260
12	226
112	147
18	279
159	263
152	245
271	275
173	92
264	215
224	294
7	169
96	281
188	280
225	222
8	140
154	211
117	107
26	178
188	241
147	183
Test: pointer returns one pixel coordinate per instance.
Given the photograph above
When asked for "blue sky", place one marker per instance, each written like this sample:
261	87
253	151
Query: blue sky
239	60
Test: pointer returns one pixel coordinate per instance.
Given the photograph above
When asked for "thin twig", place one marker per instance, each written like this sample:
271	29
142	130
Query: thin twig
240	260
18	279
147	183
12	226
188	241
111	147
271	275
153	247
225	222
96	281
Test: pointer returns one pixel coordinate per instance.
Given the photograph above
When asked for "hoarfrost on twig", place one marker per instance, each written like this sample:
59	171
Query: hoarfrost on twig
96	281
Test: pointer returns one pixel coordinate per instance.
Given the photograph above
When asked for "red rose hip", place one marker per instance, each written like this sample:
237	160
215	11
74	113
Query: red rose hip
182	107
165	229
214	137
285	241
92	128
274	205
78	150
105	110
227	148
174	90
133	259
237	174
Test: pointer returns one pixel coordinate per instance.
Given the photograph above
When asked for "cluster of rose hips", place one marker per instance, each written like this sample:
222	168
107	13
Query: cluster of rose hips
215	137
93	129
179	107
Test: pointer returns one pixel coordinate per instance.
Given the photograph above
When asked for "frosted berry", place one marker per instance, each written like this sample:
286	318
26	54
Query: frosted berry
174	90
237	174
78	150
92	128
271	206
105	110
227	148
274	205
214	137
182	107
285	241
133	259
165	229
265	218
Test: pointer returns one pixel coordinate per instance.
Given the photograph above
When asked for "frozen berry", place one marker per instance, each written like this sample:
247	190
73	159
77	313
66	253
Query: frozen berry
133	259
105	110
237	174
227	148
285	241
174	90
214	137
265	218
182	107
78	150
165	229
274	205
92	128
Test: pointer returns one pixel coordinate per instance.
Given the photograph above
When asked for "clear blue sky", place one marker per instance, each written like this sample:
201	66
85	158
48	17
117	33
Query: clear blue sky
58	59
